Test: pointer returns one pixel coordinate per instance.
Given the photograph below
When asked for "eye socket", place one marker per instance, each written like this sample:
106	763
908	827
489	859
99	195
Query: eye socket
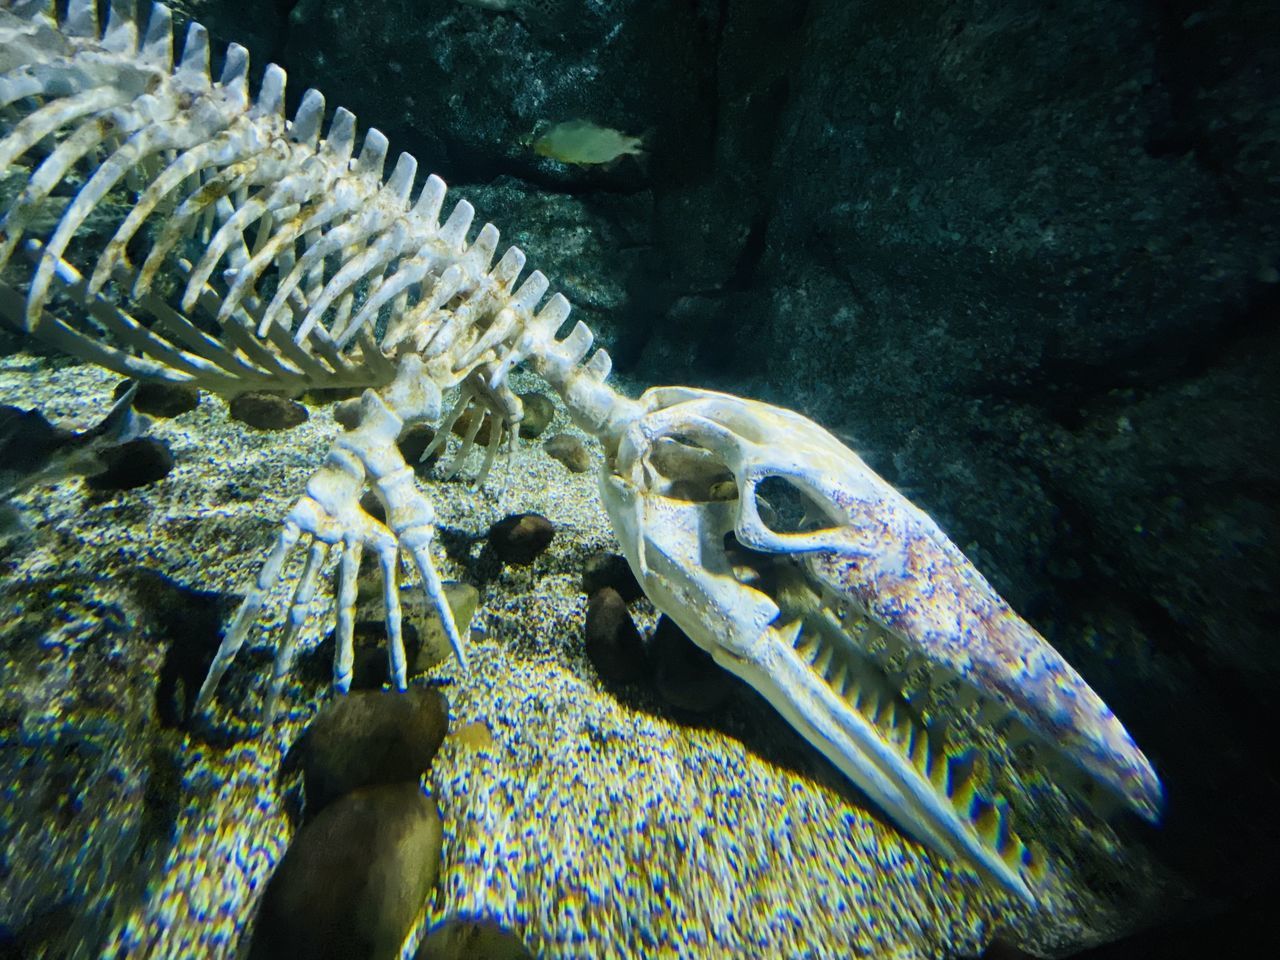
696	474
787	508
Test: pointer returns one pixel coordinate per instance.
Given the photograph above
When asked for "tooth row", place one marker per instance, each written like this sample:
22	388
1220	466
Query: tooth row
854	684
923	683
961	775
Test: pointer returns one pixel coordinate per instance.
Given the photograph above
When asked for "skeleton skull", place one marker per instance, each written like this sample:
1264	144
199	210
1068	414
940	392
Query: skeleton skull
810	612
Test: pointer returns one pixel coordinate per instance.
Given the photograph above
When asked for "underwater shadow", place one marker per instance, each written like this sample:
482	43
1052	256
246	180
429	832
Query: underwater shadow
743	715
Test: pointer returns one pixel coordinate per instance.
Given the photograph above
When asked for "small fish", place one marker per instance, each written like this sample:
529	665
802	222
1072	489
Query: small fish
584	144
35	453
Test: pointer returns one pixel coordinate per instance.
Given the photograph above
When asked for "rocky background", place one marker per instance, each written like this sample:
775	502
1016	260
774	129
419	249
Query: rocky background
1023	254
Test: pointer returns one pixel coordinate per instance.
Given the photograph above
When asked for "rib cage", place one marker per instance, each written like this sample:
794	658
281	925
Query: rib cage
308	267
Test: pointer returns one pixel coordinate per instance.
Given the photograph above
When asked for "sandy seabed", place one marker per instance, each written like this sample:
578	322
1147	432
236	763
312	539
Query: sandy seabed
592	822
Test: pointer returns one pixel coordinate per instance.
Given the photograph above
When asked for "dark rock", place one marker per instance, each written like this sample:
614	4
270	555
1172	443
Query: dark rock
268	411
347	413
260	26
613	643
684	674
354	879
132	464
40	935
160	399
465	939
1196	931
424	637
323	396
414	439
570	451
539	411
371	504
462	426
369	668
368	662
605	569
371	737
508	95
521	537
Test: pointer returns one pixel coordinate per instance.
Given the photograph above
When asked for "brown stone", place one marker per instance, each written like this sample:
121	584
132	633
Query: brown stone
539	411
268	411
354	879
521	537
570	451
612	640
369	737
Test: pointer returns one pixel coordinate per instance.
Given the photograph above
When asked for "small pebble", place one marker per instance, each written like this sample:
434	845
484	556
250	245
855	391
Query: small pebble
135	463
163	400
570	451
414	439
605	569
539	411
473	736
521	537
268	411
613	643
